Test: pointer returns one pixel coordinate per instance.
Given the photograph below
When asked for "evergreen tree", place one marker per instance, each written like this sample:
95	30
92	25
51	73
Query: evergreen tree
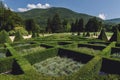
56	24
49	26
93	25
31	26
18	36
72	28
8	19
4	37
80	26
102	35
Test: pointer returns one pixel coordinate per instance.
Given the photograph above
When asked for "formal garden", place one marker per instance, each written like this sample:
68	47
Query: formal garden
60	57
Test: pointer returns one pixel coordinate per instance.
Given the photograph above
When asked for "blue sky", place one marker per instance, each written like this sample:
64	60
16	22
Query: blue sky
106	9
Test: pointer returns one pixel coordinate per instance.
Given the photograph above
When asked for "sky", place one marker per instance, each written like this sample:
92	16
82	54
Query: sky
105	9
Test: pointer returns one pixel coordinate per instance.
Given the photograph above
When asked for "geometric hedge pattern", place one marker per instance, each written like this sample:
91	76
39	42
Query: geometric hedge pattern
18	66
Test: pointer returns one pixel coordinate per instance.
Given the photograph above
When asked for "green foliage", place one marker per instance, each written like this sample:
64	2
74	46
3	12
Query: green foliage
21	30
31	26
54	66
31	50
89	71
18	36
102	35
93	25
115	36
87	34
4	37
56	24
87	50
34	34
6	64
9	19
41	15
40	56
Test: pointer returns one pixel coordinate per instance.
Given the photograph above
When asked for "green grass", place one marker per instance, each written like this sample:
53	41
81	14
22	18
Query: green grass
58	66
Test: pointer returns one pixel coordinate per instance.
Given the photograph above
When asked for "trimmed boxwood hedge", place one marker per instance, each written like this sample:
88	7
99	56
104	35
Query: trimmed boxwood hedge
93	46
40	56
107	50
89	71
6	64
23	63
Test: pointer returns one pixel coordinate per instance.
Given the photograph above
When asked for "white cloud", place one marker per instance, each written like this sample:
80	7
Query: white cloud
22	9
33	6
102	16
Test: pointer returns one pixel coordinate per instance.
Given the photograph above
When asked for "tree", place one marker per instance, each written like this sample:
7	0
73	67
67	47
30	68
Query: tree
4	37
93	25
56	24
8	19
66	26
49	26
103	36
80	26
31	26
72	28
18	36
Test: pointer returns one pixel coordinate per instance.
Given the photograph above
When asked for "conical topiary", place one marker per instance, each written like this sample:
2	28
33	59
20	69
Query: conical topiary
4	37
102	35
87	34
18	36
35	35
115	36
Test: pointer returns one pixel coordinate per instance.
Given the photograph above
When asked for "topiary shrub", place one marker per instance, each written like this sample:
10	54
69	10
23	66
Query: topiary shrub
18	36
102	35
87	34
115	36
4	37
34	35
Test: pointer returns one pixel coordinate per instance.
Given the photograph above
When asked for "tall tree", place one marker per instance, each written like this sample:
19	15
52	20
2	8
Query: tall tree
93	25
49	26
80	26
31	26
72	28
56	24
8	19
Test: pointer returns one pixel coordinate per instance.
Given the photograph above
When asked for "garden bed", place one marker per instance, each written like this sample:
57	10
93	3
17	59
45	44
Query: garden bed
2	53
31	50
58	66
87	50
115	52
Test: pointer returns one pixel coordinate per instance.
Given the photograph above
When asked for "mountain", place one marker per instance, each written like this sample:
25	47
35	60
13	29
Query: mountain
41	15
115	21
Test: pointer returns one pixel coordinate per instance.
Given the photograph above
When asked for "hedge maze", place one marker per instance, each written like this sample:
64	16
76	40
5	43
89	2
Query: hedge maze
19	59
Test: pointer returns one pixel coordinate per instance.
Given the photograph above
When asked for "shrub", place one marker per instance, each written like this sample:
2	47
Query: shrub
87	34
103	36
34	35
115	36
18	36
4	37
